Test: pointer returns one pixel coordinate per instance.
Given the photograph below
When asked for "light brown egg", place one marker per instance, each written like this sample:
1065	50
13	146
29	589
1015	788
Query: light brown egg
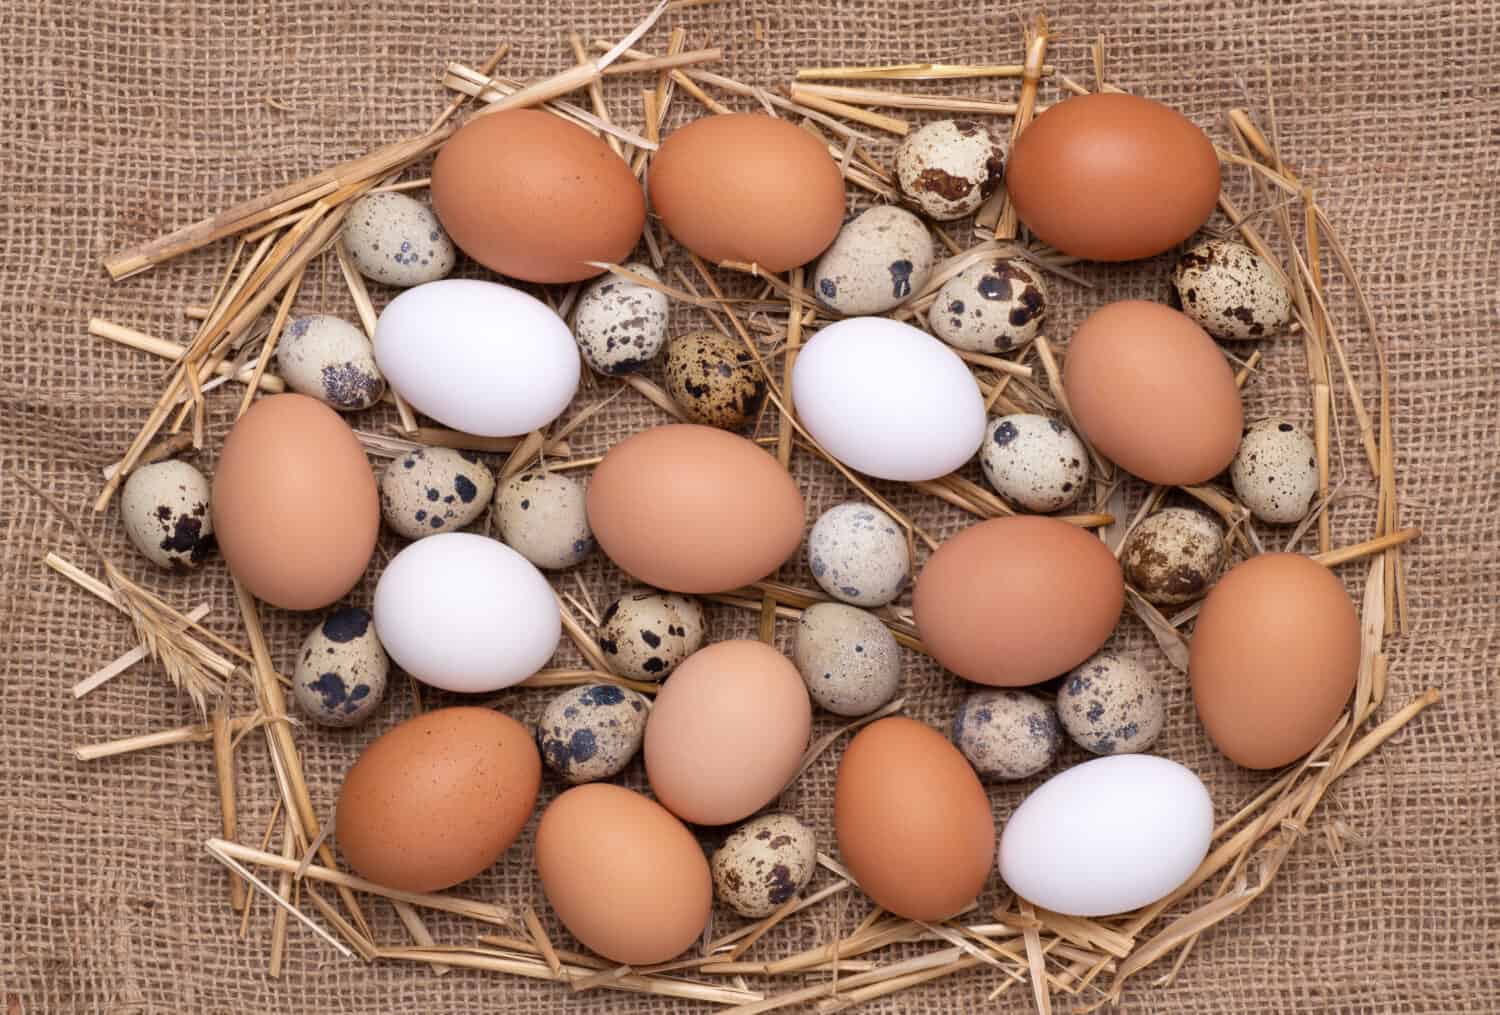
438	798
623	875
295	506
727	732
1274	656
1015	601
529	195
748	187
1111	177
1153	393
694	509
913	822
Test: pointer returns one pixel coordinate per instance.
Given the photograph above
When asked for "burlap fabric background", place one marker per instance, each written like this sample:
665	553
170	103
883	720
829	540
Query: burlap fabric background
129	117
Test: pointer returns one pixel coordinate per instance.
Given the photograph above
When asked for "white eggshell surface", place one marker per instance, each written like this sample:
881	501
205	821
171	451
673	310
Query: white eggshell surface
1107	836
888	399
478	356
466	613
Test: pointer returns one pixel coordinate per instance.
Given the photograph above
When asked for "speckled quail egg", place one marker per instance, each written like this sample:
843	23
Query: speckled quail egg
432	490
714	380
165	510
341	670
858	554
1111	705
621	325
1275	471
331	360
591	732
542	516
1035	462
1231	291
1174	556
763	863
994	306
644	634
847	657
949	167
396	239
1006	734
879	259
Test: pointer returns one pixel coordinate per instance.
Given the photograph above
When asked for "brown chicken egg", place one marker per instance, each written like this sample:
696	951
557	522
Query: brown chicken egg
623	875
748	187
694	509
913	822
1015	601
1153	393
1111	177
295	506
529	195
1273	658
438	798
727	732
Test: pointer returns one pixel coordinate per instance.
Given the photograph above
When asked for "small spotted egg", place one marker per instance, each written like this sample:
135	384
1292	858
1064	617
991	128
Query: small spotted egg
847	657
341	669
949	167
1006	734
331	360
858	554
644	634
1111	705
879	259
433	490
763	863
1275	471
165	510
714	380
1034	461
1231	291
542	516
1174	556
591	733
992	307
396	239
621	325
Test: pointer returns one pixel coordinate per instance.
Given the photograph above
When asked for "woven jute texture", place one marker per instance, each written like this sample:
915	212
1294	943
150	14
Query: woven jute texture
125	118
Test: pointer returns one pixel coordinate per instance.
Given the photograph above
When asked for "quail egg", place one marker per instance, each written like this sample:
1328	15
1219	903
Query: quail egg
591	732
621	325
644	634
847	657
1275	471
1174	556
396	239
1006	734
949	167
763	863
341	670
992	307
543	518
331	360
1111	705
1035	462
1231	291
858	554
433	490
714	380
879	259
165	509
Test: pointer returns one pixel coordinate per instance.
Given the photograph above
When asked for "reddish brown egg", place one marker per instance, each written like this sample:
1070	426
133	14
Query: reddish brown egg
1112	177
1274	656
438	798
694	509
295	506
529	195
1153	393
913	822
748	187
727	732
1015	601
623	875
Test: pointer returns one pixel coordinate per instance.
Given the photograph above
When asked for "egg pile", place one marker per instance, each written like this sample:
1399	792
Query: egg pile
1021	606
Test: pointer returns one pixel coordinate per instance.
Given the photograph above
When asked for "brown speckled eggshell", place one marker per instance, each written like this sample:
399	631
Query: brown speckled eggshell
532	196
438	798
1015	601
748	187
714	380
913	822
1153	393
623	875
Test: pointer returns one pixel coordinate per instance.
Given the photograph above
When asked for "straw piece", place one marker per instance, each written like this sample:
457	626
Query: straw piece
916	72
903	100
833	107
262	887
171	351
